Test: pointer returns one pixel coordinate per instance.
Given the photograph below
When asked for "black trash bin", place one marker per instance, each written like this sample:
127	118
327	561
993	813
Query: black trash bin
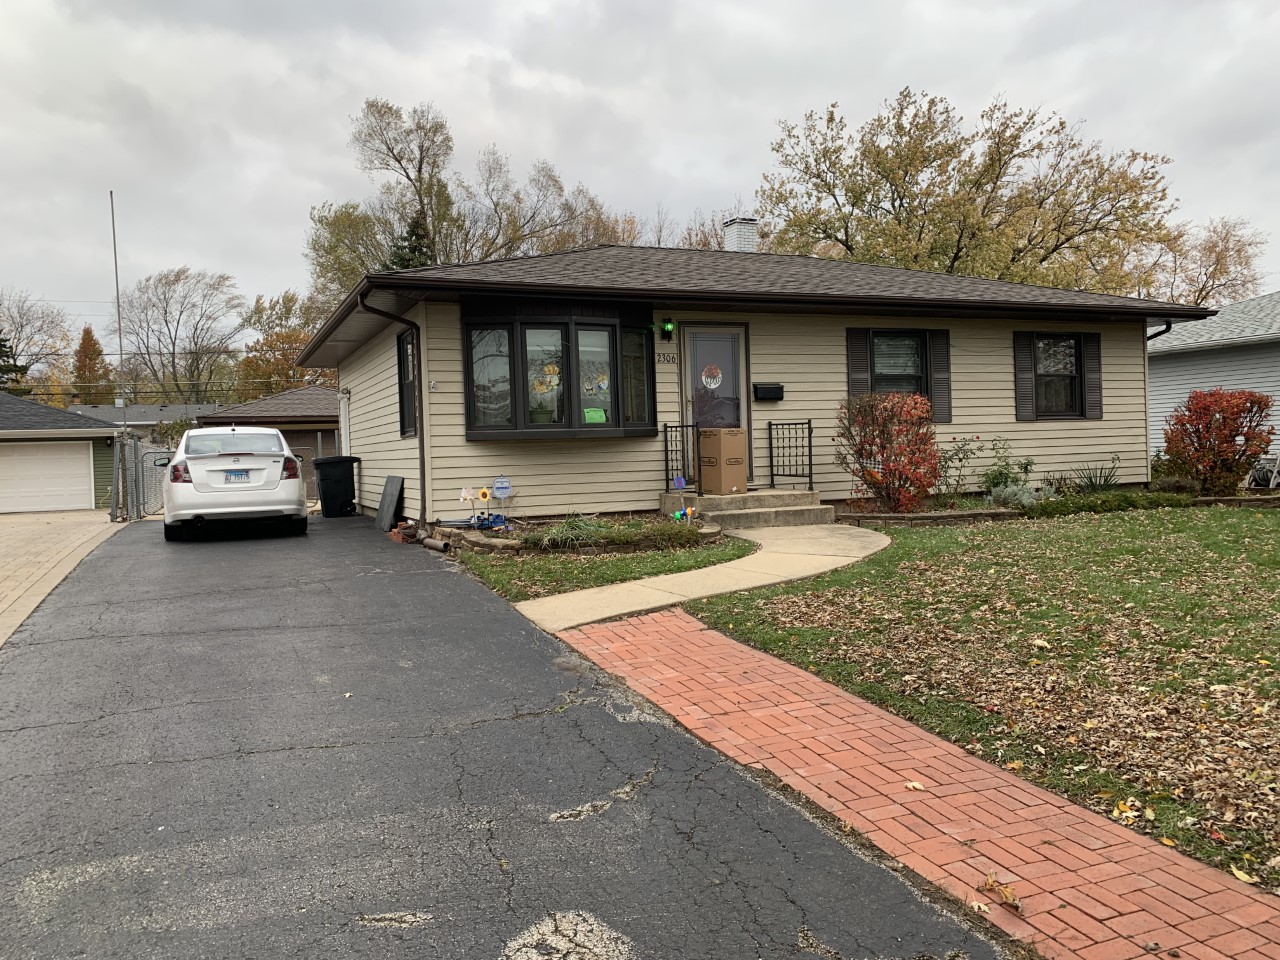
336	478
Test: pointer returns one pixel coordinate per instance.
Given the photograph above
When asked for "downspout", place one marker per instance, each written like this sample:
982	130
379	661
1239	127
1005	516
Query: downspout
1168	325
420	420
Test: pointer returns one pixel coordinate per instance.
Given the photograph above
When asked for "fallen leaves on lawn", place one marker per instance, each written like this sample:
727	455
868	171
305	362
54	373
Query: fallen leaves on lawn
1242	876
1146	661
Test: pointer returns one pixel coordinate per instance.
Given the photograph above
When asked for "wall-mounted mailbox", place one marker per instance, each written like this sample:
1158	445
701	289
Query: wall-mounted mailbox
767	391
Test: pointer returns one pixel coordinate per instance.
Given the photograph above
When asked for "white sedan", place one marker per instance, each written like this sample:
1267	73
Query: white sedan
232	473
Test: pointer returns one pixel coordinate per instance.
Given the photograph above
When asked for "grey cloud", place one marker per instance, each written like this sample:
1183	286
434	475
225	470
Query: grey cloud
221	124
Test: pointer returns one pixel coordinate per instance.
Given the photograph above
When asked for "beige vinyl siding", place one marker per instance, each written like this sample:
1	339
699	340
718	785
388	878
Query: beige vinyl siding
807	355
548	476
374	405
804	353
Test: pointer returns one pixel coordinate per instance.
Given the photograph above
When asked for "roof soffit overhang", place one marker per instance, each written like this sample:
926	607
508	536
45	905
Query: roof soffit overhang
349	327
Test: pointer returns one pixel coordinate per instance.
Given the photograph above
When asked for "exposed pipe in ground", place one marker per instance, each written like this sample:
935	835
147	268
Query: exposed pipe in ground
431	543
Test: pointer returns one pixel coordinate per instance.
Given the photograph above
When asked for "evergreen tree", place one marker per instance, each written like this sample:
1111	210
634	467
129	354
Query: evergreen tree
11	372
412	248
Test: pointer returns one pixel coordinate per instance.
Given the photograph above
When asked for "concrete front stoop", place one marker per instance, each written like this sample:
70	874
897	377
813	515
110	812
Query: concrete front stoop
755	509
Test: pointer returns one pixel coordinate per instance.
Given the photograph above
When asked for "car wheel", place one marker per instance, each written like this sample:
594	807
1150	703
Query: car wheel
298	526
174	531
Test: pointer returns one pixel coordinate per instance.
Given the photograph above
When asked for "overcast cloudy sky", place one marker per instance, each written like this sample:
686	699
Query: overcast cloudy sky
219	123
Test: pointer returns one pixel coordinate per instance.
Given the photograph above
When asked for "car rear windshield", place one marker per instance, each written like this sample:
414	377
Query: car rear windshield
214	443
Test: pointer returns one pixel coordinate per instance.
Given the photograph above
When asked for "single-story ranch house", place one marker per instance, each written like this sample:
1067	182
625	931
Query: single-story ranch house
570	373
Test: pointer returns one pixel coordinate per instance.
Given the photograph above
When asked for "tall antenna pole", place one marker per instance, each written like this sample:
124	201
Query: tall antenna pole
124	405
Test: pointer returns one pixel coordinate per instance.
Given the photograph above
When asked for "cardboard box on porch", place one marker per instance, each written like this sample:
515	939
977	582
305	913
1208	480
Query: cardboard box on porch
723	460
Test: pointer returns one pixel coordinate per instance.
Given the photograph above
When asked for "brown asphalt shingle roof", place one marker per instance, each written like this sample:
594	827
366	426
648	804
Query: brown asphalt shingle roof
302	403
653	271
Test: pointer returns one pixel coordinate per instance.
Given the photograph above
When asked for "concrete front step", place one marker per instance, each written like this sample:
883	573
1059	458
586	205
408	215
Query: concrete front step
731	520
754	500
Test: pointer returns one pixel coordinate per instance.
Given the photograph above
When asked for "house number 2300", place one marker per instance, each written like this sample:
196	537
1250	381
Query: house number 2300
668	358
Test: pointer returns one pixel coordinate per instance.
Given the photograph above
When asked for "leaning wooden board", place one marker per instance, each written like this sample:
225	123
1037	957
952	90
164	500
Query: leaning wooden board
392	504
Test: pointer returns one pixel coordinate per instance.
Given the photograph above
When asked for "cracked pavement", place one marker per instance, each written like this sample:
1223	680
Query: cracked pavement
336	746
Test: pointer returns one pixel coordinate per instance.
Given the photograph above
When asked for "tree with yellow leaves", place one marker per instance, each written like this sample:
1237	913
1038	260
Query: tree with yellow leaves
1018	196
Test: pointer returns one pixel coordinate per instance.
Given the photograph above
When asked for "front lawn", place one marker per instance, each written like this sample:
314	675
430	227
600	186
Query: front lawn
1127	661
542	574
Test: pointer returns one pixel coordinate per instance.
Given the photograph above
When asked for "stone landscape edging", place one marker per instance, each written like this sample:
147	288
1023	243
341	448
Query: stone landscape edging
933	518
959	518
477	542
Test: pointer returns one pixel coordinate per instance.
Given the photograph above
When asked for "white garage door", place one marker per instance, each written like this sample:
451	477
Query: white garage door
46	476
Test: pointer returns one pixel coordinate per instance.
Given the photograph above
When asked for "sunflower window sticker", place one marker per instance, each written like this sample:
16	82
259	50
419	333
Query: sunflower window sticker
544	387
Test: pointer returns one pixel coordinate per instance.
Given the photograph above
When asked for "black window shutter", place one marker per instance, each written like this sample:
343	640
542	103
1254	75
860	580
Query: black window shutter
1091	347
1024	376
940	375
859	349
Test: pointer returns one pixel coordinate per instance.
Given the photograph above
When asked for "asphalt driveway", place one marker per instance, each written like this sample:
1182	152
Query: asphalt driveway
333	746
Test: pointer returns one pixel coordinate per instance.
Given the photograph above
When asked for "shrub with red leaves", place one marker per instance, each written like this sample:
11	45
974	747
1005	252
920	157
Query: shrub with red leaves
886	441
1217	436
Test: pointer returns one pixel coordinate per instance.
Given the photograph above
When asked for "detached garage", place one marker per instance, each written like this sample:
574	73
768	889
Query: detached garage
51	459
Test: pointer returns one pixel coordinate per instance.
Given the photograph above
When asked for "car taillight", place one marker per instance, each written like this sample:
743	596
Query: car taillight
178	473
290	471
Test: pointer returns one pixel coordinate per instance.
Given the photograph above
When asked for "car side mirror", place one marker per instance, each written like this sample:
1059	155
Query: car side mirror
162	462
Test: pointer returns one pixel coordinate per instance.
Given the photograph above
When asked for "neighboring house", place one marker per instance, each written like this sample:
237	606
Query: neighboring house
51	459
142	418
563	372
1238	349
307	416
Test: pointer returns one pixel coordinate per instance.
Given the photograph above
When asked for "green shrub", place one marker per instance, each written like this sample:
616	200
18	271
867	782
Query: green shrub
575	532
1095	477
1172	483
572	531
1005	471
1109	501
672	535
1162	466
1016	496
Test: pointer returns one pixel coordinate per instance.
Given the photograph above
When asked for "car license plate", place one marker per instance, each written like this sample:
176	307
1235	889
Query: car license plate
236	476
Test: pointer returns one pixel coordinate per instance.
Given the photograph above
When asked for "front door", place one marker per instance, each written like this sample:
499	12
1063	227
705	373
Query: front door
715	378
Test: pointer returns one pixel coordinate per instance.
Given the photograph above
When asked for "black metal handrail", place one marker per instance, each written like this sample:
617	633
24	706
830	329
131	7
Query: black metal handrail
791	450
681	454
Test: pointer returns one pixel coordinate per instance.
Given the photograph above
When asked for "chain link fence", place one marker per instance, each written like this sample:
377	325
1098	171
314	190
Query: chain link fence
137	486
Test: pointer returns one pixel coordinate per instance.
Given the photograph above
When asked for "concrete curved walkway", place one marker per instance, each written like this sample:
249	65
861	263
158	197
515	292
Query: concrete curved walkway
786	553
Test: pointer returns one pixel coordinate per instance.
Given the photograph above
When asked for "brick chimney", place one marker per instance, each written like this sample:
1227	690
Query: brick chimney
742	235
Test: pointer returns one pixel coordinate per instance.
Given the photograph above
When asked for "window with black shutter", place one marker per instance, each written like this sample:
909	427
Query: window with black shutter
407	375
1057	376
902	361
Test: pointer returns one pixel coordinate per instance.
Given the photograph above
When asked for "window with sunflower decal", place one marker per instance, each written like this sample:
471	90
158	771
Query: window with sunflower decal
559	370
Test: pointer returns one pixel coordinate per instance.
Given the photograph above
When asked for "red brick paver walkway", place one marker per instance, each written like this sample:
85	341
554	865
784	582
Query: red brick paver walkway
1090	888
